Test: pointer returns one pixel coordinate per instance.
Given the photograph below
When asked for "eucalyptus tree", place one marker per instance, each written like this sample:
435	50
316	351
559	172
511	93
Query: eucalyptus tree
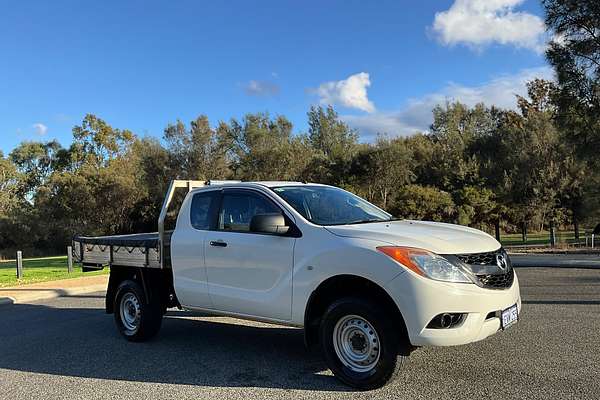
335	144
36	161
96	192
575	55
264	148
9	185
197	152
383	168
454	129
423	203
530	144
96	143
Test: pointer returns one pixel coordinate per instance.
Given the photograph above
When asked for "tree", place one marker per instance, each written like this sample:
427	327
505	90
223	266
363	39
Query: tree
335	144
197	152
96	193
152	164
422	148
578	183
476	206
454	130
9	183
423	203
575	56
95	142
90	200
328	134
383	168
36	161
265	149
530	144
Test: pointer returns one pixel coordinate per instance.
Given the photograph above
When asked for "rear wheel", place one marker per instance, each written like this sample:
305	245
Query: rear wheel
136	319
362	347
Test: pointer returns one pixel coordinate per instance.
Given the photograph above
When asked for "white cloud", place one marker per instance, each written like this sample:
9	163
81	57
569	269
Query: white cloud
479	23
261	88
390	123
416	114
350	92
39	129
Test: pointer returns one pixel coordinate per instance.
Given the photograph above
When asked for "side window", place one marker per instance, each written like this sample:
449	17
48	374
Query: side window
239	208
201	209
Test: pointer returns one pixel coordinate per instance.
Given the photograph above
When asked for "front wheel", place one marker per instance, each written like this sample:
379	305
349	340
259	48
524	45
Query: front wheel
361	345
136	319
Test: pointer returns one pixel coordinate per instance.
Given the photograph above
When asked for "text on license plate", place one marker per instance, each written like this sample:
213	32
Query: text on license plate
510	316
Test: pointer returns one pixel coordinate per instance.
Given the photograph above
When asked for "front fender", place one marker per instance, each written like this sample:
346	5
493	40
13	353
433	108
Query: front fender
317	261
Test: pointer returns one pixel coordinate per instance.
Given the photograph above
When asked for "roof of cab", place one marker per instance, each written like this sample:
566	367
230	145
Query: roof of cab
262	183
269	184
278	183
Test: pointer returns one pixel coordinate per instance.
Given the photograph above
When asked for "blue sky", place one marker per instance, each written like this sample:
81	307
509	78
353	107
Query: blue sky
142	64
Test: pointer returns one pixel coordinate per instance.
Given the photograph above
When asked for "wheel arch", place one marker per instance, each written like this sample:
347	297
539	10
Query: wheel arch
343	285
157	284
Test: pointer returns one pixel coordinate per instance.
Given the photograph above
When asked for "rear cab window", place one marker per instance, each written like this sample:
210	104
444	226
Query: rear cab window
203	209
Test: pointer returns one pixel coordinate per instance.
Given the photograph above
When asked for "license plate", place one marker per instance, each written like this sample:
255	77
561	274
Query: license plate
510	316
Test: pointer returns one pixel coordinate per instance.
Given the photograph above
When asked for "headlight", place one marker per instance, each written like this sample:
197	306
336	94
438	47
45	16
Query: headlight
426	264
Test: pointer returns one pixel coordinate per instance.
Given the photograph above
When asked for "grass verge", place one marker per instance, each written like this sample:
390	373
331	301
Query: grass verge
40	270
540	238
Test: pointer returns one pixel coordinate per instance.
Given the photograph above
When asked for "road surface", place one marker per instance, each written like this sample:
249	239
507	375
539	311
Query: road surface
68	348
556	260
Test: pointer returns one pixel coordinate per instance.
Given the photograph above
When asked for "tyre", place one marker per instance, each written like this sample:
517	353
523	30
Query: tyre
362	347
136	319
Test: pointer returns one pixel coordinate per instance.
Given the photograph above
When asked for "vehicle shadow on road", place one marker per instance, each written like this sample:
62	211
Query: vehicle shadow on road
83	342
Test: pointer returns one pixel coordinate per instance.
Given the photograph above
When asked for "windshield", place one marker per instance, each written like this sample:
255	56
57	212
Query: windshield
324	205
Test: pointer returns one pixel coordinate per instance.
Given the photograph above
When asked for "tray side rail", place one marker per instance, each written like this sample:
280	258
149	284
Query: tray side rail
94	256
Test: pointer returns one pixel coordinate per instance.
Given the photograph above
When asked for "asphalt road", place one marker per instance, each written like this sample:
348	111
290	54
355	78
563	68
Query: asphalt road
556	260
68	348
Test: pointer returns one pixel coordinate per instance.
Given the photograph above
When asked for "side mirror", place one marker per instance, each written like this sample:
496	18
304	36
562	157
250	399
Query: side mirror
269	223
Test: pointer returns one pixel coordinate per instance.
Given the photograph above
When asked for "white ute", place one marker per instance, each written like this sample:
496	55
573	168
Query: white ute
366	287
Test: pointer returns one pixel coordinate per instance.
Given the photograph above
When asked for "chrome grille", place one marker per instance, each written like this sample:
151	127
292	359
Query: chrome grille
479	262
497	281
479	258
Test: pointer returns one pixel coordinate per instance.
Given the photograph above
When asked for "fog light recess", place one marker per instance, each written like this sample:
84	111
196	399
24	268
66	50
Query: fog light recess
446	321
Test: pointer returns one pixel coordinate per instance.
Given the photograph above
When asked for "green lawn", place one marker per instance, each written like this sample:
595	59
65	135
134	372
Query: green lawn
540	238
40	270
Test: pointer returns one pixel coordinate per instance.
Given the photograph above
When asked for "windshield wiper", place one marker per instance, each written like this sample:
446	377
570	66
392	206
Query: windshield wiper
367	221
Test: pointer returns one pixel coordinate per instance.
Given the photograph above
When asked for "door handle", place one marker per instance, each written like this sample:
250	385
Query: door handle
218	243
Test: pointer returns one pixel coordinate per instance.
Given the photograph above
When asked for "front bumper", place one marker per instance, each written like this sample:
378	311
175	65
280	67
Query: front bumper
421	299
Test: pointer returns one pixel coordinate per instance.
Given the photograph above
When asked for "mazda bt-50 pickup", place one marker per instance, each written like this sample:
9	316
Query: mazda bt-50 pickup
365	287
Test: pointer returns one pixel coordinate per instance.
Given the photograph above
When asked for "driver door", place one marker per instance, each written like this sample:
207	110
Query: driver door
248	273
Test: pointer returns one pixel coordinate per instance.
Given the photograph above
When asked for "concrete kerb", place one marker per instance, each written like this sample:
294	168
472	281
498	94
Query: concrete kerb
36	292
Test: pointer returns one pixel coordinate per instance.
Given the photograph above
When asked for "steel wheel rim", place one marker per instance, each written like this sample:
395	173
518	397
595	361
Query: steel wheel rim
130	312
356	343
